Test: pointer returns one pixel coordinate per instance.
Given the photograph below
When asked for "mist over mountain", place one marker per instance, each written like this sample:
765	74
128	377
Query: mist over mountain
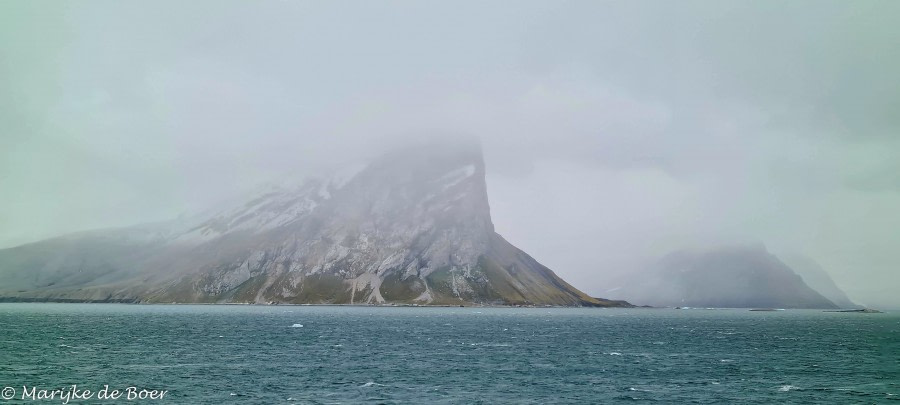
744	276
818	279
414	226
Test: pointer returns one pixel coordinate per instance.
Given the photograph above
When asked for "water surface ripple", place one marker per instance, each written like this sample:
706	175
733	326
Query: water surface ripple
209	354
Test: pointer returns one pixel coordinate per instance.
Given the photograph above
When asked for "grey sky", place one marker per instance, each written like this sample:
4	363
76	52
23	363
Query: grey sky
613	131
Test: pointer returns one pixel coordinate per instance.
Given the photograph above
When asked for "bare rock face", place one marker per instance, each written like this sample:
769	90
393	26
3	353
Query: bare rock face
411	227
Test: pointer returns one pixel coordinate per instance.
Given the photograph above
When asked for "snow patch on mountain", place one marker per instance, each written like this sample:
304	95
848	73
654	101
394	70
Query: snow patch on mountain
456	176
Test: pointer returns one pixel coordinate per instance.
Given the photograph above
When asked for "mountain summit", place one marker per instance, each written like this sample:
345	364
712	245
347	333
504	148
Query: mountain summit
412	227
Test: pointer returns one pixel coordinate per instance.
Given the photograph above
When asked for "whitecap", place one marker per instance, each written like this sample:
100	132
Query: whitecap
297	325
786	388
371	384
614	354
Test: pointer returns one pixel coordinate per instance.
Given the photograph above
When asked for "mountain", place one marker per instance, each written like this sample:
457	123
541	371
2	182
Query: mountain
818	279
412	227
723	277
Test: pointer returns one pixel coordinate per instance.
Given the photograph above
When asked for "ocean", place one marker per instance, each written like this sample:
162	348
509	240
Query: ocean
212	354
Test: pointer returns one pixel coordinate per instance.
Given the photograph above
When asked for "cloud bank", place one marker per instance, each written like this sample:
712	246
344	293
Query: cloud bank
613	131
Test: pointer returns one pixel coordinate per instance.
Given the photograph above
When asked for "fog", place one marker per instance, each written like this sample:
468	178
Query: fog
613	132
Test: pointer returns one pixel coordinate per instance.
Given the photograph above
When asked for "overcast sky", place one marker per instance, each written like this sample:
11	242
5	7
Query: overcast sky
614	132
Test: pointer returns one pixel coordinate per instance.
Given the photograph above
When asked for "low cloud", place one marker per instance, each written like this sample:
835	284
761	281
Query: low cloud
613	131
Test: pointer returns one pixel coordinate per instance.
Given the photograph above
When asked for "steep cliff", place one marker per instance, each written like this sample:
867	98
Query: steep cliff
412	227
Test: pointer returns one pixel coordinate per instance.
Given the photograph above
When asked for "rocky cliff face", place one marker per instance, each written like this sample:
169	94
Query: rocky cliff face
723	277
412	227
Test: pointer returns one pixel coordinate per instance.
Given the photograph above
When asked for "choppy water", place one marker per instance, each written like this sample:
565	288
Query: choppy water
260	354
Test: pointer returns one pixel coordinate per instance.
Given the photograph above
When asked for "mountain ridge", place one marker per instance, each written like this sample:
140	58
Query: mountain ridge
744	276
818	279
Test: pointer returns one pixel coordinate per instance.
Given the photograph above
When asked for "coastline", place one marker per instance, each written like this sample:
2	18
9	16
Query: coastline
42	300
